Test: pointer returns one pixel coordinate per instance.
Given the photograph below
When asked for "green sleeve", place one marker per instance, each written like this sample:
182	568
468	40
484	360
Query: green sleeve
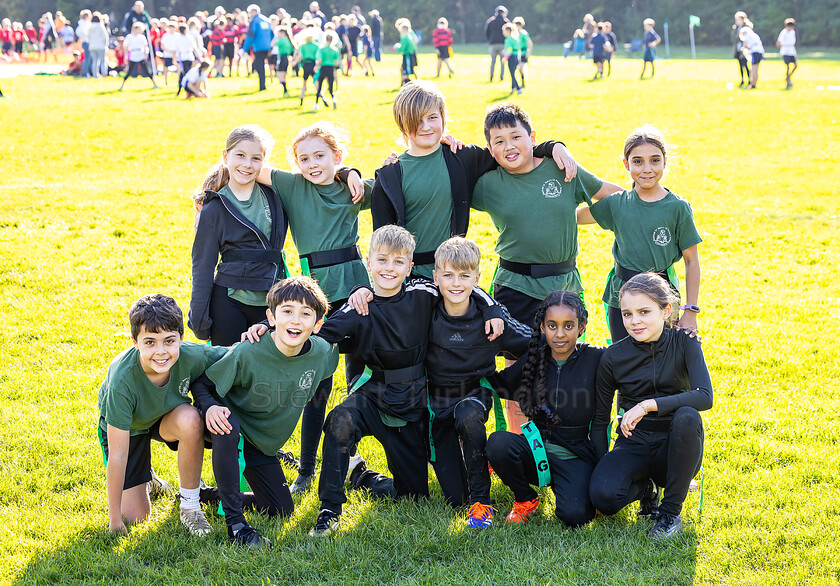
319	54
368	193
225	373
603	213
283	183
119	406
330	362
210	355
477	202
587	185
687	234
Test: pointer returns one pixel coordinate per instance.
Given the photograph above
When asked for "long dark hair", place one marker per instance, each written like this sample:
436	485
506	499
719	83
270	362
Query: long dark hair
534	369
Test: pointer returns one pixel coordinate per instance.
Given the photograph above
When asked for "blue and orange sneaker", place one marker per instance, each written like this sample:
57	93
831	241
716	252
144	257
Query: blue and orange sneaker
480	516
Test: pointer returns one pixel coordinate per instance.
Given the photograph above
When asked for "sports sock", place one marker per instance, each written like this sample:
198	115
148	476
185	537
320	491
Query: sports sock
189	498
284	86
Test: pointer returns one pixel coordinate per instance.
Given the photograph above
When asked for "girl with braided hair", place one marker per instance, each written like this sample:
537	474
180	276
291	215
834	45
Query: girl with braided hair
555	386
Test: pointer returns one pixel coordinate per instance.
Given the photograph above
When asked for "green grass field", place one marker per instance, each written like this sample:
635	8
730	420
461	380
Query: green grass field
96	187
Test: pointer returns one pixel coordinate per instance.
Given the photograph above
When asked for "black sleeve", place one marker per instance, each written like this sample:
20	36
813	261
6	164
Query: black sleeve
604	391
506	382
699	395
204	394
339	327
489	307
516	337
381	210
545	150
205	256
344	172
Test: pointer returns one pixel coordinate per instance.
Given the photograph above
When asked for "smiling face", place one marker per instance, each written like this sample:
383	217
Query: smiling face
426	137
158	353
244	162
455	285
646	164
562	329
513	147
643	318
388	269
294	322
316	160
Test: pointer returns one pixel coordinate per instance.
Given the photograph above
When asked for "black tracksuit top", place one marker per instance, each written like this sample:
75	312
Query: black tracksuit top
387	204
460	354
571	394
395	335
671	370
223	229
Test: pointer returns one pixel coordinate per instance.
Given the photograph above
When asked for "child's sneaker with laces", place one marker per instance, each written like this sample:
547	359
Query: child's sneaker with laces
522	511
480	516
195	522
159	488
246	536
326	524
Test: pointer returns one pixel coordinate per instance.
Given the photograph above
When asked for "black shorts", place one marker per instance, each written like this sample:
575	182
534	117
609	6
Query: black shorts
308	70
167	62
354	48
442	52
138	67
788	59
19	47
228	50
283	64
48	45
523	59
522	307
216	51
138	467
757	57
272	59
409	64
597	59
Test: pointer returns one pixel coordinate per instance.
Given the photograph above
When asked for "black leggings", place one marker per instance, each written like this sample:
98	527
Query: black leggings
264	475
513	63
327	72
460	454
743	68
231	317
312	421
185	67
670	458
513	461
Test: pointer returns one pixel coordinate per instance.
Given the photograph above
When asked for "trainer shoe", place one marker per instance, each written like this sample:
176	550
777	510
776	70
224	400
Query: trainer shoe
326	524
246	536
666	525
159	488
195	522
480	516
649	503
288	459
335	103
302	483
522	511
356	461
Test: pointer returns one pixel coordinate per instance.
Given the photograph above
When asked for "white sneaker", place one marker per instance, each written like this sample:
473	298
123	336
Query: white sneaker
159	488
355	461
195	522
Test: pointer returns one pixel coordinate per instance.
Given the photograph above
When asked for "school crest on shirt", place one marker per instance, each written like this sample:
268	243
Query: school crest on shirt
184	387
552	188
306	380
662	236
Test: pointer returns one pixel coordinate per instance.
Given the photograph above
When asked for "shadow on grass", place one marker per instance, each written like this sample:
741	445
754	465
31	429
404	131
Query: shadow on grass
378	542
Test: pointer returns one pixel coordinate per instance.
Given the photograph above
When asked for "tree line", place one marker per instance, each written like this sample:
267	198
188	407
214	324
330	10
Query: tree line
548	21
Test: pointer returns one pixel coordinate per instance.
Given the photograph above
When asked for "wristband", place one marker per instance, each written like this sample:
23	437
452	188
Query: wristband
694	308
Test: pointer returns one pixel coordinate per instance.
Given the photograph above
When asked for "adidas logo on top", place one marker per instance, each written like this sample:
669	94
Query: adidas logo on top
456	337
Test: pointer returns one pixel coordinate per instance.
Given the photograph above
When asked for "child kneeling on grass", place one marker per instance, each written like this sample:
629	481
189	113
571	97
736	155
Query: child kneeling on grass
258	391
145	396
194	79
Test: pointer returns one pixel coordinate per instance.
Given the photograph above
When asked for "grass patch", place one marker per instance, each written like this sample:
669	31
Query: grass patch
97	212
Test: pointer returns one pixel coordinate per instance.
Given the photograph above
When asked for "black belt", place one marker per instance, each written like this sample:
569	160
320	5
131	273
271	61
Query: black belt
626	274
538	271
424	258
272	255
454	390
654	424
328	258
564	432
398	375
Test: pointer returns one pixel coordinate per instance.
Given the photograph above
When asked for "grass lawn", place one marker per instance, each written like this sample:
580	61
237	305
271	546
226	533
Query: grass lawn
96	188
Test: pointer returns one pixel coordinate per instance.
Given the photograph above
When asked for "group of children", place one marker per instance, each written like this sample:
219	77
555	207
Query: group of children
419	336
749	50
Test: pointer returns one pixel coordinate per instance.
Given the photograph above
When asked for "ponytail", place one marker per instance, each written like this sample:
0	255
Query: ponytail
217	177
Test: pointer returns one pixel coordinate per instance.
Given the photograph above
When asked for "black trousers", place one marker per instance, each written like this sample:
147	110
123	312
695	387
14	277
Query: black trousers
264	475
231	317
405	449
513	63
460	453
185	66
616	323
312	420
670	458
259	66
513	461
327	72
